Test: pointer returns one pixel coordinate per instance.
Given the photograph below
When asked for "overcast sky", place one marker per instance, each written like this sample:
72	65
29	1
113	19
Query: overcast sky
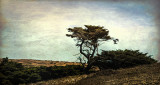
34	29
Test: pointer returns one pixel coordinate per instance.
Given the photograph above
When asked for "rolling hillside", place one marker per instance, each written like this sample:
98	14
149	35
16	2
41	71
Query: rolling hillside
140	75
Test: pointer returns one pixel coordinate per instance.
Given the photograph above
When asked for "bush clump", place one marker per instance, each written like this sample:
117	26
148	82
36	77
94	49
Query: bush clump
122	59
13	73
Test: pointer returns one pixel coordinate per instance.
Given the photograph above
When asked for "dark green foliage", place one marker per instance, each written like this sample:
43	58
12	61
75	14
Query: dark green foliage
122	59
5	60
14	73
7	70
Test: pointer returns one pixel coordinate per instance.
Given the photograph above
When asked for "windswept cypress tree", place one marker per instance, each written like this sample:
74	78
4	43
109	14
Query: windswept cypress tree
88	39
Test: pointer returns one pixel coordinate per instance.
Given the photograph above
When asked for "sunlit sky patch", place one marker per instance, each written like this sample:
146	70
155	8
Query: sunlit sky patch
37	29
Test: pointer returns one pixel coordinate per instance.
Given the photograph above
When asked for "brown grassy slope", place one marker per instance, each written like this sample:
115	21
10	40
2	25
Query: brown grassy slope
62	81
35	63
140	75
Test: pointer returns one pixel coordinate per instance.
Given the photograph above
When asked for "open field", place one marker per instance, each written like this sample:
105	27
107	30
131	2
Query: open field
48	63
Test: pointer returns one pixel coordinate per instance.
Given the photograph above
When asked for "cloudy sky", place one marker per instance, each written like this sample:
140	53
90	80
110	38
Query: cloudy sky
32	29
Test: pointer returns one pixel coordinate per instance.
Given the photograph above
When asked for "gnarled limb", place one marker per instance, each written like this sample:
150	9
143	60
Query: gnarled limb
81	50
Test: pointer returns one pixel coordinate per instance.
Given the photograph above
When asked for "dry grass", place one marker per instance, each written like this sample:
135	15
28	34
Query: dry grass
140	75
62	81
35	63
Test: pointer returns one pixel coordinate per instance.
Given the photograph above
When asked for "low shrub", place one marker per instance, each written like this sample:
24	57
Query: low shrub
15	73
122	59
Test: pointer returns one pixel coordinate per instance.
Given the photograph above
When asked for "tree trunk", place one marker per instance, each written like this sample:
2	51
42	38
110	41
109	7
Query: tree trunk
88	67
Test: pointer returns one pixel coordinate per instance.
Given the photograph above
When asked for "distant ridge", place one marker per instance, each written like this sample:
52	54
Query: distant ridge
35	62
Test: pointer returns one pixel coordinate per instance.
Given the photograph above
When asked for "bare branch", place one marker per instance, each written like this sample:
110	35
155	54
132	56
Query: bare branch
94	49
